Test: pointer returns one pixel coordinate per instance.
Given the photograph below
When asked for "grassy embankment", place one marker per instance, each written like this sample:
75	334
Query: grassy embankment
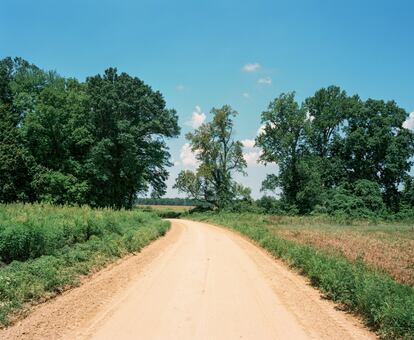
361	265
45	249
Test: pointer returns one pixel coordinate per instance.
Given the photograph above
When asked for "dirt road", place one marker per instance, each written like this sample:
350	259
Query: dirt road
198	282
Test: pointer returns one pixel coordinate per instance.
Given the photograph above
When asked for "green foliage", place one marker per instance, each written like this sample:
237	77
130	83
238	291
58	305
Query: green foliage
100	143
244	206
128	120
15	160
58	245
281	141
272	205
332	143
370	194
387	306
408	193
219	156
58	188
361	200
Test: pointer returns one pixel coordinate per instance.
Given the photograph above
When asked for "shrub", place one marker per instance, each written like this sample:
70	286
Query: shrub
29	231
361	200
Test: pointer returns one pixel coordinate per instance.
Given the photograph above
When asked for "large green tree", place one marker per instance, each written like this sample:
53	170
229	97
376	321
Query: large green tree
332	141
378	148
282	141
328	110
57	133
129	123
220	156
101	142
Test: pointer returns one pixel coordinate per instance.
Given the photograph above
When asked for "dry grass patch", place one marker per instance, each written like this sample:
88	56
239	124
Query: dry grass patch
388	247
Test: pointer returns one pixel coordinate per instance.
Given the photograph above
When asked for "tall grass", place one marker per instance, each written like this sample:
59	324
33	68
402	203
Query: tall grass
387	306
46	249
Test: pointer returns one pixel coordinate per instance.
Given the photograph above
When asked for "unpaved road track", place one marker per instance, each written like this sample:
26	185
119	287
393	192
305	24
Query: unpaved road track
198	282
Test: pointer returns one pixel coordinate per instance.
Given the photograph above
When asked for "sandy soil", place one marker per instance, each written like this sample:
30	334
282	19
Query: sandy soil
198	282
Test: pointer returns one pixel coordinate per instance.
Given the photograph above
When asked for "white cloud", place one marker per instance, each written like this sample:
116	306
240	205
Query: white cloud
252	157
180	87
251	67
188	157
309	116
409	123
248	143
252	154
265	81
261	128
198	117
246	95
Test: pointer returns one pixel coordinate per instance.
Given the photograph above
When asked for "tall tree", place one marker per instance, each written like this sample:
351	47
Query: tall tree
283	141
334	141
220	156
328	110
378	148
56	133
129	124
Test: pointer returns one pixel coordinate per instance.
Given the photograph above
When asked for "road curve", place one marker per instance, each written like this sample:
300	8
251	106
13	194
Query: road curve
209	283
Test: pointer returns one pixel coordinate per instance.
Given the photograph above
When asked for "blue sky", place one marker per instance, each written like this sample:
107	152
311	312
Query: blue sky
196	52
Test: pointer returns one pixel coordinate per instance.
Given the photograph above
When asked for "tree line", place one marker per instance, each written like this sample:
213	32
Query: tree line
335	153
99	142
102	142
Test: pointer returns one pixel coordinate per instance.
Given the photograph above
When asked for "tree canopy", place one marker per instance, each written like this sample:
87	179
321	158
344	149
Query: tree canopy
333	145
103	142
99	142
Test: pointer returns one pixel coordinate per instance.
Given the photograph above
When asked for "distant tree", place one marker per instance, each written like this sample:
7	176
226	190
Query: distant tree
167	201
220	156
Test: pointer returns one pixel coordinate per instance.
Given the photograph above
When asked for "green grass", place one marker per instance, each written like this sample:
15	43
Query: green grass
386	305
47	249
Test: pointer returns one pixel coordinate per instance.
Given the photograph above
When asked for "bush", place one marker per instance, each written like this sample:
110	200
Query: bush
245	206
29	231
56	187
276	206
361	200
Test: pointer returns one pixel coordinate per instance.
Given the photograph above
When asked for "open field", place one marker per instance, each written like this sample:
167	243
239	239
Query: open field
359	284
45	249
383	245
